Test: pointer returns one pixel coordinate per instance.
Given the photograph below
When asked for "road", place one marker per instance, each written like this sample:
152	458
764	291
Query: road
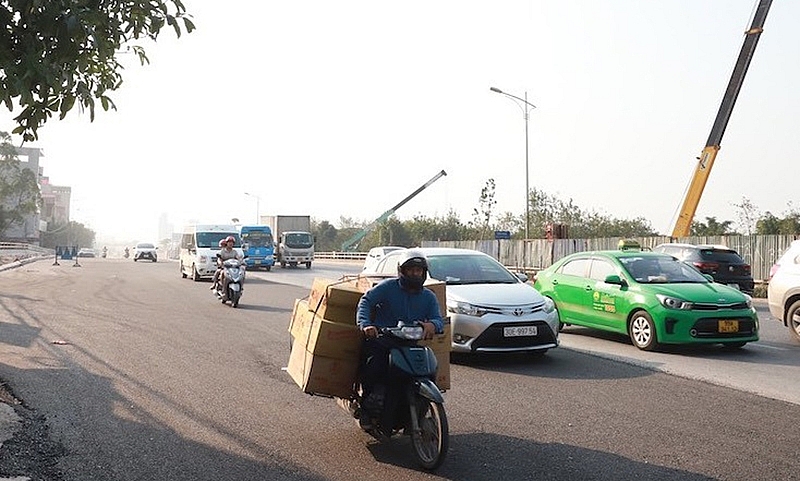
139	374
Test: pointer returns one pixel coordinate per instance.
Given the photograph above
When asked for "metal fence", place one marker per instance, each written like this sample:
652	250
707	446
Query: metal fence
760	251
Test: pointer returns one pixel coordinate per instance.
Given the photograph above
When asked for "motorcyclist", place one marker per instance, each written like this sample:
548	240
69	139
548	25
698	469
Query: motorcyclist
105	251
393	300
227	252
127	252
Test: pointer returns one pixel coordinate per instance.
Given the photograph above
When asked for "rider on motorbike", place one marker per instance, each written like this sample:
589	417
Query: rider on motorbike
397	299
227	252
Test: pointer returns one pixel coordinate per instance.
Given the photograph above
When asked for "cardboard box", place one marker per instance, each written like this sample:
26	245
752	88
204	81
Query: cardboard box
322	375
322	337
335	301
441	345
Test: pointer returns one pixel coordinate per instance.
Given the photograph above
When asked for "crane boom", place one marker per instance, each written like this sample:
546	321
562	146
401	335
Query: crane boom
351	242
706	160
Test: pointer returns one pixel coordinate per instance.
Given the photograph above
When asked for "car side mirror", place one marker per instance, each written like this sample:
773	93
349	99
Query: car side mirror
522	276
616	280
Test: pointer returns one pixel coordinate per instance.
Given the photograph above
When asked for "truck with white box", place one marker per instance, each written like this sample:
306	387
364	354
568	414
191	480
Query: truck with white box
294	243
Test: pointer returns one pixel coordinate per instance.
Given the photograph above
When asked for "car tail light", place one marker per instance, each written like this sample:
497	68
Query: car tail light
773	270
746	268
707	267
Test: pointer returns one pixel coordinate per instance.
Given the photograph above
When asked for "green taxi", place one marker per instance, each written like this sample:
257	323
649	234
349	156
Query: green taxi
654	298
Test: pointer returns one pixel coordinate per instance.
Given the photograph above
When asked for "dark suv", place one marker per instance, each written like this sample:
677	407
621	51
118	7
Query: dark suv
722	263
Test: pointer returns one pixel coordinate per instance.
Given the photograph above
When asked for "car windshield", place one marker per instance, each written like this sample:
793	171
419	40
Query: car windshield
661	270
145	246
469	269
257	239
299	240
211	239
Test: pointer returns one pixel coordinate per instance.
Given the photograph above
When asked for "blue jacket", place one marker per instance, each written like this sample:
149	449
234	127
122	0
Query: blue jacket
387	303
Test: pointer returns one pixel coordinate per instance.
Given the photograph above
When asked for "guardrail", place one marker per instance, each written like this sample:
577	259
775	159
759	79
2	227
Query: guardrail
351	256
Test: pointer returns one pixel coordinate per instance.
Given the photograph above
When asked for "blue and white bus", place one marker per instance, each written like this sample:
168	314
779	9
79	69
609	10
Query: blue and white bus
258	246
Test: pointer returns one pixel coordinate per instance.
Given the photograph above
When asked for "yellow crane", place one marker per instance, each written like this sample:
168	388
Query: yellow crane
706	160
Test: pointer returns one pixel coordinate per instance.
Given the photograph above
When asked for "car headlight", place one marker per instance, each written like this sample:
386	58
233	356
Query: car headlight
549	306
749	300
464	308
674	302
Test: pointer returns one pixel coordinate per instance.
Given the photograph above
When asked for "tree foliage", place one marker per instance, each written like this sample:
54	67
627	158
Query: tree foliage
58	53
789	224
19	187
67	235
711	227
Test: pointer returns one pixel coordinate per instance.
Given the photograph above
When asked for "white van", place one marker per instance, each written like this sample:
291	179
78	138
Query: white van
199	247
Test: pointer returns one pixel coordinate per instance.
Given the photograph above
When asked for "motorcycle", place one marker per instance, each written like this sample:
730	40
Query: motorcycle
127	253
412	404
104	254
229	287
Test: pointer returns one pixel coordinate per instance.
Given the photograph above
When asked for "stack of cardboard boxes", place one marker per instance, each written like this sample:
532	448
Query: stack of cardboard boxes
326	345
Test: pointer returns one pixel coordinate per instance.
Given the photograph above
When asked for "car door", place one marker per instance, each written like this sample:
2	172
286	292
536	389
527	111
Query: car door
607	299
571	290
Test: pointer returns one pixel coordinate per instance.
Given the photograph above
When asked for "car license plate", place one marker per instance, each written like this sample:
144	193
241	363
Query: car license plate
258	263
728	326
517	331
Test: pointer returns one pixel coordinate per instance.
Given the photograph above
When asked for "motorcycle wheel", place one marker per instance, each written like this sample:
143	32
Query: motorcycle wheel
235	298
431	442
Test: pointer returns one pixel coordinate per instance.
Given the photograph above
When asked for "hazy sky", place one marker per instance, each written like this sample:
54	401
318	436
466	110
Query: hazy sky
344	108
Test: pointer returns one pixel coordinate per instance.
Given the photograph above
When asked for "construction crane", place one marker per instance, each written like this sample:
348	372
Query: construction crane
352	242
706	160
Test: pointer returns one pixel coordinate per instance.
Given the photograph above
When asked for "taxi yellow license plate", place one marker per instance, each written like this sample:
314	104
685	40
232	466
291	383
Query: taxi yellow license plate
728	326
517	331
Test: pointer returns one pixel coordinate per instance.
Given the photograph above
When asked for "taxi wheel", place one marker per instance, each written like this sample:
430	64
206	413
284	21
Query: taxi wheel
793	318
642	331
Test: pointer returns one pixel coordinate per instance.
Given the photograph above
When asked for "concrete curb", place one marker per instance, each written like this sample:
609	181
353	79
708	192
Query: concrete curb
22	262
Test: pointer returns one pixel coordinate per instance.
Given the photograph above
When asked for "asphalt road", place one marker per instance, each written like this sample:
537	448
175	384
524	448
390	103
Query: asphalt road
136	374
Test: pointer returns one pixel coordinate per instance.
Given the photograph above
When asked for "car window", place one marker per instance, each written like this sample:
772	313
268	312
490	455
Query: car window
388	265
145	246
469	269
661	270
600	269
576	267
720	255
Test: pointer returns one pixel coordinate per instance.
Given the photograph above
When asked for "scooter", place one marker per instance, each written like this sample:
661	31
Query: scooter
104	254
413	404
229	287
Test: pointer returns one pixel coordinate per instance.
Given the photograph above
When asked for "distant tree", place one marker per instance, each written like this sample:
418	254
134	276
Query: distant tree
482	216
789	224
56	53
67	234
19	187
748	215
711	227
325	235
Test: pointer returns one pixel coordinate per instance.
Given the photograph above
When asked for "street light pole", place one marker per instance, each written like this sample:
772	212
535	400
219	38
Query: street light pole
526	108
258	204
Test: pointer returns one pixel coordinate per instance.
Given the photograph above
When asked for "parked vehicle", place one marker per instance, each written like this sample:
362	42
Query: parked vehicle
257	245
86	252
651	297
199	245
783	290
412	403
294	242
722	263
145	250
231	282
490	308
375	255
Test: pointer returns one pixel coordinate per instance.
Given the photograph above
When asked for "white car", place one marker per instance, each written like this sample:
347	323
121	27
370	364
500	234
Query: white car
490	308
783	290
145	250
376	254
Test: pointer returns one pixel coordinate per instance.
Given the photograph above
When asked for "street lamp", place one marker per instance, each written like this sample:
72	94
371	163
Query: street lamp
526	108
258	204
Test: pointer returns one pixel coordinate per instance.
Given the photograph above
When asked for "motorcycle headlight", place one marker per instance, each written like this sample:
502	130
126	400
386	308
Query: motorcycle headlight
674	302
465	308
